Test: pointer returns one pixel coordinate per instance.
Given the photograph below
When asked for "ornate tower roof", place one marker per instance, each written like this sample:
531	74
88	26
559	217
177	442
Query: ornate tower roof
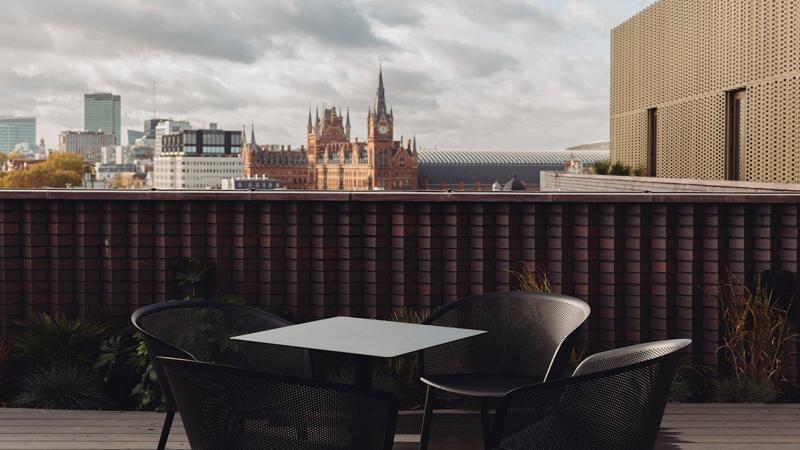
380	96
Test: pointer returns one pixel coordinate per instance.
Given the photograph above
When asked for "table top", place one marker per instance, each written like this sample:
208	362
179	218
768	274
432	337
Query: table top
378	338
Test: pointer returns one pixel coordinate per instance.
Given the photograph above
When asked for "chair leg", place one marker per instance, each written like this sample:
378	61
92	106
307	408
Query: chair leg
485	424
162	442
424	434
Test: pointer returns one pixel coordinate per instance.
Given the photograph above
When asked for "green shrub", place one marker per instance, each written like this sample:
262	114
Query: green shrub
55	340
61	387
683	388
639	171
147	392
619	169
602	167
746	390
190	272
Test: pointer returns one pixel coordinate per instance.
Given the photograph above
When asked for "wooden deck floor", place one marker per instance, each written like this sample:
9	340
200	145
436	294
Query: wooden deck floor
690	427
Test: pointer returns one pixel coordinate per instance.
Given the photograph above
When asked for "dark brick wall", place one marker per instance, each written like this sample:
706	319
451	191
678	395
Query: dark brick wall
647	264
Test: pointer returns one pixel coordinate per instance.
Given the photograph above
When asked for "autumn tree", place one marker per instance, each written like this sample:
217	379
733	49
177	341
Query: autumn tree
126	181
59	171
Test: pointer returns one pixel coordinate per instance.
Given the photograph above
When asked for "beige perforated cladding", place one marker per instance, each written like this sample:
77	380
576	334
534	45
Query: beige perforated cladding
681	56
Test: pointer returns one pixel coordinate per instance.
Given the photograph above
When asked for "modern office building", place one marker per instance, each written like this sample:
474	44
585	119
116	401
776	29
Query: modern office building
17	130
86	143
198	159
166	127
133	135
708	90
150	127
102	113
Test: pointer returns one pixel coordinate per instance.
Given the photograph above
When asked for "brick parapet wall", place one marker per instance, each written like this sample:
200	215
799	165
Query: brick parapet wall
647	264
579	182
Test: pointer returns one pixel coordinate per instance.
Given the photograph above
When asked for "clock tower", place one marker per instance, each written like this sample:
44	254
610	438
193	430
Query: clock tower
380	122
380	139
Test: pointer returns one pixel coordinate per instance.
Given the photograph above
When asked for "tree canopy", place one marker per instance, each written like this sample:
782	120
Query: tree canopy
59	171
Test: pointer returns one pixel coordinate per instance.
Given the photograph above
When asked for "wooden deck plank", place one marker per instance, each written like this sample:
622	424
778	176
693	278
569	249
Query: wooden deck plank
685	427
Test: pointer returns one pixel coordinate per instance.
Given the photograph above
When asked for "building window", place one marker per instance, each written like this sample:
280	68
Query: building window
652	141
382	161
735	103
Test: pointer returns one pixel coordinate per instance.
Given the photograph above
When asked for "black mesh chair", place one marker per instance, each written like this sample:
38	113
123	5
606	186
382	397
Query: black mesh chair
238	409
525	332
615	401
201	330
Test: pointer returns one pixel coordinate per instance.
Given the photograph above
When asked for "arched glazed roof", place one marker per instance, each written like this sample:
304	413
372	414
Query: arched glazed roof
506	157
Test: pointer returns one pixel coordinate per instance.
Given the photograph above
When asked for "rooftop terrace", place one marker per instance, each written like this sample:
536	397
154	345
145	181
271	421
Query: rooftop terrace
685	426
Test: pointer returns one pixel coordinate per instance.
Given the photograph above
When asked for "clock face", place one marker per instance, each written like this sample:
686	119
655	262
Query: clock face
383	129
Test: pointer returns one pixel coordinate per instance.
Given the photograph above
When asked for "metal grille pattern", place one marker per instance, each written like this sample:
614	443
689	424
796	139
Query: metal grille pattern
227	408
681	56
524	332
616	409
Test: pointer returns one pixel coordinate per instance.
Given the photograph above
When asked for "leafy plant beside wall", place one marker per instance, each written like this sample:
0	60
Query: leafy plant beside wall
190	272
532	279
755	332
606	167
57	354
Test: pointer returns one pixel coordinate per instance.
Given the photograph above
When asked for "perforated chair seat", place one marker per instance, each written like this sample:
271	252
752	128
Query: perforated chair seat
489	385
522	346
614	401
229	408
202	330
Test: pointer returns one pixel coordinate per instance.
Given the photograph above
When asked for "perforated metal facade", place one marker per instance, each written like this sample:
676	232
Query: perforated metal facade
682	57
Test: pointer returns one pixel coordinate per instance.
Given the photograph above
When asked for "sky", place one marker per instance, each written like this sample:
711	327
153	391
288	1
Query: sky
459	74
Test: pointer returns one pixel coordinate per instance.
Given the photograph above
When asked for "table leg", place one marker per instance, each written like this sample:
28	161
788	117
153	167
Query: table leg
362	371
362	377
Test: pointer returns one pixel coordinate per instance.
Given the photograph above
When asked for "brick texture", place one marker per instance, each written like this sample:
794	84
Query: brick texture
647	264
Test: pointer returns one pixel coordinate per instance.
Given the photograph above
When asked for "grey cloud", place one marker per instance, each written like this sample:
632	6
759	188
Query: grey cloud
501	73
471	60
510	11
393	13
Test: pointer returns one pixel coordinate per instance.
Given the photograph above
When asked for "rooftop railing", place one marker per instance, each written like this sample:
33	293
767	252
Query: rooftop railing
649	265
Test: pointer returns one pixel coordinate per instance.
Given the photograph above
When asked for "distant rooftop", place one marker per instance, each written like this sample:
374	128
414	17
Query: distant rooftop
505	157
452	167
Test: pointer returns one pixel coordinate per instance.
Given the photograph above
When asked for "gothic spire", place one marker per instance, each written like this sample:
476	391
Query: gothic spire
252	134
244	135
317	115
348	117
380	97
414	148
309	118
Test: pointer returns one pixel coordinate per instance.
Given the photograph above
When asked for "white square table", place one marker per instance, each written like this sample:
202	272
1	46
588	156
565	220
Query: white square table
363	338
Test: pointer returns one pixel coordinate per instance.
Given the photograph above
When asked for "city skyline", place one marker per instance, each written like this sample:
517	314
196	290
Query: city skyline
515	75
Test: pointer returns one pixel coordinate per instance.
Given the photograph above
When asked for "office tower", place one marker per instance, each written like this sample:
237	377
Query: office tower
101	113
17	130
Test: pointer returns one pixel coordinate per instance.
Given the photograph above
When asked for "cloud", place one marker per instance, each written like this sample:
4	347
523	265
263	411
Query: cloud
470	60
459	73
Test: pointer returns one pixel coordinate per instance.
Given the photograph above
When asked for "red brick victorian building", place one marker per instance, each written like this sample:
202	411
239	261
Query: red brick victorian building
333	162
